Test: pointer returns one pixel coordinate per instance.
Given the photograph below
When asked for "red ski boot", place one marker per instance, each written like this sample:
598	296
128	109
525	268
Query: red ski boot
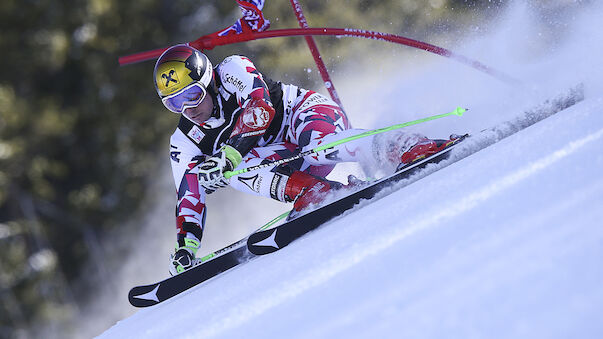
305	189
426	147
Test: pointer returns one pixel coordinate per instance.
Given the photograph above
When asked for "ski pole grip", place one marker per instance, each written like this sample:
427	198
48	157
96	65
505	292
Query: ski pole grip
230	174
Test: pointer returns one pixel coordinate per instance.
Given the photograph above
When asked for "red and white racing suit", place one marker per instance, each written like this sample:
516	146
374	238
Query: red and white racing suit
301	119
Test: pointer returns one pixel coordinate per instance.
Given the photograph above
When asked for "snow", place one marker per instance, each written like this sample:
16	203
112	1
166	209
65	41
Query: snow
506	243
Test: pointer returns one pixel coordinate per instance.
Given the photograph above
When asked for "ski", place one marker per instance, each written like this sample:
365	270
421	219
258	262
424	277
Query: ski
272	239
210	265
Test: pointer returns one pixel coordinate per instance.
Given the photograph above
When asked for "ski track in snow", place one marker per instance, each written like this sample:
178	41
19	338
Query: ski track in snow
505	243
432	218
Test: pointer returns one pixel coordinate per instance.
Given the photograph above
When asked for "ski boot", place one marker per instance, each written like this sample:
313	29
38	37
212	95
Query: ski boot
426	147
311	190
306	189
184	257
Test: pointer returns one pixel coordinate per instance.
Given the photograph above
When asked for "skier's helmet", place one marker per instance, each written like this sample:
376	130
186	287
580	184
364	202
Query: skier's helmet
183	77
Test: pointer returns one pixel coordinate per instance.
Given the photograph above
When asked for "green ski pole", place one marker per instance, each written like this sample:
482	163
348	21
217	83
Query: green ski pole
458	111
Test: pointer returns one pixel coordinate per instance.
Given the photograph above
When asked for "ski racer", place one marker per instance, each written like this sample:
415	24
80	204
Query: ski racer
234	117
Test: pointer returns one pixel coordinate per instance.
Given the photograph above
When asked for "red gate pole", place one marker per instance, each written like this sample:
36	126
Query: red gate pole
208	42
316	54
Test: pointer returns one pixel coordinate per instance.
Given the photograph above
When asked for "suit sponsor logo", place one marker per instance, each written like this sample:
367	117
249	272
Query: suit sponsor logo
196	134
253	182
235	81
277	187
174	154
314	99
253	133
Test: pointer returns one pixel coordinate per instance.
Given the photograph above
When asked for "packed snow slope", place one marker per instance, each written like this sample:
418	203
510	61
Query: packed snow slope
506	243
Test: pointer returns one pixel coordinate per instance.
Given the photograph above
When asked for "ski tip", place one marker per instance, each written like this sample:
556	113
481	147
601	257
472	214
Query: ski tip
144	296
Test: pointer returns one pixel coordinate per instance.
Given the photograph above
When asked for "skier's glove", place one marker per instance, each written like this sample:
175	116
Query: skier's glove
210	173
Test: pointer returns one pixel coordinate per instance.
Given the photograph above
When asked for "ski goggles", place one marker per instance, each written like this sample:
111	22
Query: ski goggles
189	97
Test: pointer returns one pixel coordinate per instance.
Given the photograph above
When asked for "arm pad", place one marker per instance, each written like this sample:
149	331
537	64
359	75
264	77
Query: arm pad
251	125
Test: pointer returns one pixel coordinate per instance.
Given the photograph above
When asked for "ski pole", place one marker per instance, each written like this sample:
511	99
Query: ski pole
458	111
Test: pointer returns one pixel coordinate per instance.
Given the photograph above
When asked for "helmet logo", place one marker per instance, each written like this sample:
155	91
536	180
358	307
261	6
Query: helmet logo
168	77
